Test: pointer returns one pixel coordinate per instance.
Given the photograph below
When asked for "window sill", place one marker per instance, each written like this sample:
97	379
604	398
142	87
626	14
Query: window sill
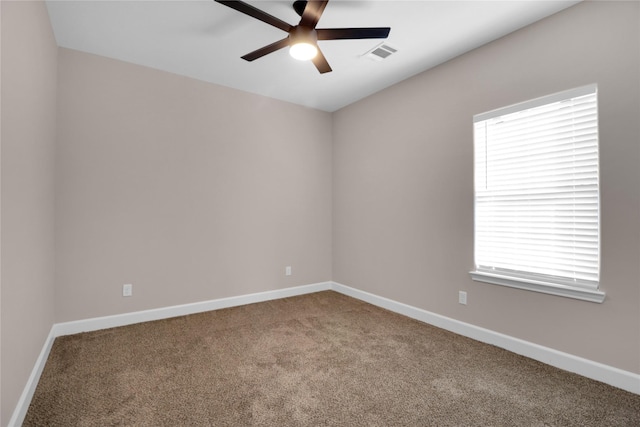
539	286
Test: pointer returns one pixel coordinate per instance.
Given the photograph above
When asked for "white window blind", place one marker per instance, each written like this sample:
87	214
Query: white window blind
536	191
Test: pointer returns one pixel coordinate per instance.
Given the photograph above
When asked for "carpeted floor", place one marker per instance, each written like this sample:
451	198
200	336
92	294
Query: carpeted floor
322	359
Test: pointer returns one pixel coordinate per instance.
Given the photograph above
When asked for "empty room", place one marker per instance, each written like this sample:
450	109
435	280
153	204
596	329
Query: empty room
431	217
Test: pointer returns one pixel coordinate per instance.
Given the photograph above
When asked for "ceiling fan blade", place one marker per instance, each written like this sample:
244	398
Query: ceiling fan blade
321	63
247	9
259	53
353	33
312	13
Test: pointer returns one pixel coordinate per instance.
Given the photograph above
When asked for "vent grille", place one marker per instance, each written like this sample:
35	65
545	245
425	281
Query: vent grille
380	52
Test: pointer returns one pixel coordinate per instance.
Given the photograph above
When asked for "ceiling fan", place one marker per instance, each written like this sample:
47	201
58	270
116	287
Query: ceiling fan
302	38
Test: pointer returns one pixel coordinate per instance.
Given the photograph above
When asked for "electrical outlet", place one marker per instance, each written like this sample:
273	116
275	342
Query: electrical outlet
462	297
287	270
127	290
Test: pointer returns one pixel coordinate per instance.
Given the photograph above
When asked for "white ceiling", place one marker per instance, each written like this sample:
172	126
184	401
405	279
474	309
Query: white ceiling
205	40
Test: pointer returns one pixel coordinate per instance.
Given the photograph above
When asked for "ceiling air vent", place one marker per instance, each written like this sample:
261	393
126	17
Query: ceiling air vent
380	52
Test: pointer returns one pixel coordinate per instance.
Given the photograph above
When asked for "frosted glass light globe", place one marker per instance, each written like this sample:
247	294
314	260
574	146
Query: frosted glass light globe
303	51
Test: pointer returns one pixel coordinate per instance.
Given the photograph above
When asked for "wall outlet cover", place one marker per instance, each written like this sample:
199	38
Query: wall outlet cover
462	297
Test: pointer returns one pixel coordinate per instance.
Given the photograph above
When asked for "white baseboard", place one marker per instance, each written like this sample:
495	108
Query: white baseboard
97	323
25	399
587	368
625	380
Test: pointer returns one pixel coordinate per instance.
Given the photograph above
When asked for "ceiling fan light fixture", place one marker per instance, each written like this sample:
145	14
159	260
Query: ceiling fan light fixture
303	38
303	51
302	41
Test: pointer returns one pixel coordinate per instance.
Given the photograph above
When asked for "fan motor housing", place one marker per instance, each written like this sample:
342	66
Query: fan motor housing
301	34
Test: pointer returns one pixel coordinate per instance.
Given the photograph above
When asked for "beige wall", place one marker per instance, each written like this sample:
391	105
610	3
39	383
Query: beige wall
28	134
191	191
403	182
187	190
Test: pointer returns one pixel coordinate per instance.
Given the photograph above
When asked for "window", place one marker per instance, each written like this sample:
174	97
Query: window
537	207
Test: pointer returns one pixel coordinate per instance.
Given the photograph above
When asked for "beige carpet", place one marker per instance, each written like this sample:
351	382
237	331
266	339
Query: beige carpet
322	359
